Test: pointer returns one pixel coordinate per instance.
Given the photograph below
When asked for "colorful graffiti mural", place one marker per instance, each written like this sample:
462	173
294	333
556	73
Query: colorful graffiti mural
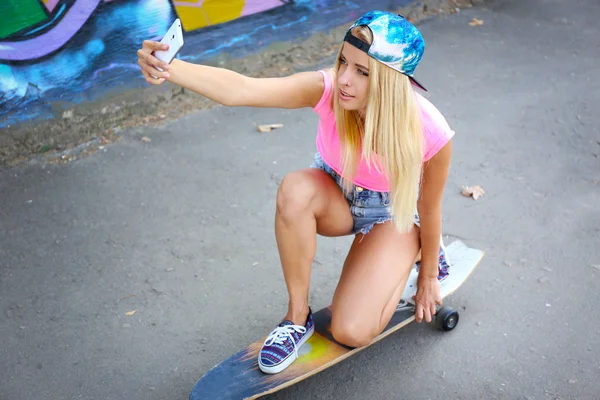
41	28
56	49
75	50
195	14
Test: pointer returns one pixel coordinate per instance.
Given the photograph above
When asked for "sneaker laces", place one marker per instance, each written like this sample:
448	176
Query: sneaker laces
281	333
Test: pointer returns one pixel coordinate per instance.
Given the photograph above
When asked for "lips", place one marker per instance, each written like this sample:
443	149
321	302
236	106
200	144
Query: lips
345	94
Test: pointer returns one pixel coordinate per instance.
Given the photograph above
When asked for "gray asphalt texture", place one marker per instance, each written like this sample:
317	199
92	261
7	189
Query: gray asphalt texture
181	230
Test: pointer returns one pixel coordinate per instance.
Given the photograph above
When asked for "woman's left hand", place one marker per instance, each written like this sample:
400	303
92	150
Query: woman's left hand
428	295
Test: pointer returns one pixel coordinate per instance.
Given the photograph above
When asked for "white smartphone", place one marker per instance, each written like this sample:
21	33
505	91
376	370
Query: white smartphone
174	38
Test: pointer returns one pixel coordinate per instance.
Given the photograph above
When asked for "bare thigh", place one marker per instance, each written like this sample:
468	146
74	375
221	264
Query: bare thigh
372	281
316	189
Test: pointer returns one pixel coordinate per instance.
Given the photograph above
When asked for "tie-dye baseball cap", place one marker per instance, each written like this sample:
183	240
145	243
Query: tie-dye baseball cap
396	42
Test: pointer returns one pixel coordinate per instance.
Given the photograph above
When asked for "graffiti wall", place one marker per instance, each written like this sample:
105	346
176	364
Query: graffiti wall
54	50
72	51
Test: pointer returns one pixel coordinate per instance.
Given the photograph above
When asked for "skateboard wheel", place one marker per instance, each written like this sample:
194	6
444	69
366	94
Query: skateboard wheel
446	318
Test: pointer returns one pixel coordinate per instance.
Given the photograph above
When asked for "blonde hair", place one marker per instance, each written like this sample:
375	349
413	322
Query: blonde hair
391	135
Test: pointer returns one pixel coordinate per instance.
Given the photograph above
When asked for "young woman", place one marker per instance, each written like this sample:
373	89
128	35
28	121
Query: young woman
379	174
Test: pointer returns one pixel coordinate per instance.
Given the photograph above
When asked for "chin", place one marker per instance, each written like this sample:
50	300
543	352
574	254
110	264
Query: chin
350	107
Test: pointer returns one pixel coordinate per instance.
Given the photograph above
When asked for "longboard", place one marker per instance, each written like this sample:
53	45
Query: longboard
239	377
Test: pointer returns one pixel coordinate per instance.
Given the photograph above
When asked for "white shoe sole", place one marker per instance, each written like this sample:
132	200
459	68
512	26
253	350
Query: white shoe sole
286	363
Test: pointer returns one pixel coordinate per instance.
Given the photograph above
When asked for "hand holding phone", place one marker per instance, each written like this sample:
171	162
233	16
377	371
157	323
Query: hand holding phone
174	39
153	54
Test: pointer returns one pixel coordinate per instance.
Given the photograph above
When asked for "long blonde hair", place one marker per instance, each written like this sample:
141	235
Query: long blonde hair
391	135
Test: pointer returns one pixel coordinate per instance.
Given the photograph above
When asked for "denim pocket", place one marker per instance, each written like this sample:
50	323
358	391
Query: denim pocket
369	199
385	198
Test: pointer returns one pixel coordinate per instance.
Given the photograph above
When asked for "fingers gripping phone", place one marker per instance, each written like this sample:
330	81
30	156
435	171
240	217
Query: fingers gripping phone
174	38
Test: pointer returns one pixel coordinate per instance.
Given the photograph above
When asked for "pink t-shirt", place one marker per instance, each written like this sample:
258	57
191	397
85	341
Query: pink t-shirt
435	129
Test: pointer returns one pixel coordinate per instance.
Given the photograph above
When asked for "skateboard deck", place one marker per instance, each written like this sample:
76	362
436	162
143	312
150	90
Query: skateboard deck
239	377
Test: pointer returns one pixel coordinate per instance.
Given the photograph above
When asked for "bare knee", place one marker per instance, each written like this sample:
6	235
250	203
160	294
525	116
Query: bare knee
295	194
351	333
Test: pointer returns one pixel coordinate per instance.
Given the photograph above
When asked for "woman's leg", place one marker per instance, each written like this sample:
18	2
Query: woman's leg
372	281
308	202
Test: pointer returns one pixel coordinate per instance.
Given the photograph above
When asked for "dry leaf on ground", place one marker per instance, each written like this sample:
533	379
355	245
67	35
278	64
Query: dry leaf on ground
130	313
269	127
476	22
146	139
473	191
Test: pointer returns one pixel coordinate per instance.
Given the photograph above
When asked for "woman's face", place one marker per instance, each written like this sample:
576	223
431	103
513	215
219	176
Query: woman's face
353	79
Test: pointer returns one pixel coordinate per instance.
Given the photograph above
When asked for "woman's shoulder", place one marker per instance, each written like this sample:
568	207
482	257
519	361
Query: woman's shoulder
436	130
432	117
325	105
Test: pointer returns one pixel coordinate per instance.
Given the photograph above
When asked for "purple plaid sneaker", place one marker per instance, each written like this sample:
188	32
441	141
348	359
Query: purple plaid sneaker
281	346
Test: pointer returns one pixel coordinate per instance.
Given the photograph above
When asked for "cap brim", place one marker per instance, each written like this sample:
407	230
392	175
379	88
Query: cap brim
417	84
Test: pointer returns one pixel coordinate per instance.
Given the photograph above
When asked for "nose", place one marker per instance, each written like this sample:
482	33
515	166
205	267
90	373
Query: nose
344	79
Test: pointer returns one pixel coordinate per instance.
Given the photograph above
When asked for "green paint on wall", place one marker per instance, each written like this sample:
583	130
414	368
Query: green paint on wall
20	14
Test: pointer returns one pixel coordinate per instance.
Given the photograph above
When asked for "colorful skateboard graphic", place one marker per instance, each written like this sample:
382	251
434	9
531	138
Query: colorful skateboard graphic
238	377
